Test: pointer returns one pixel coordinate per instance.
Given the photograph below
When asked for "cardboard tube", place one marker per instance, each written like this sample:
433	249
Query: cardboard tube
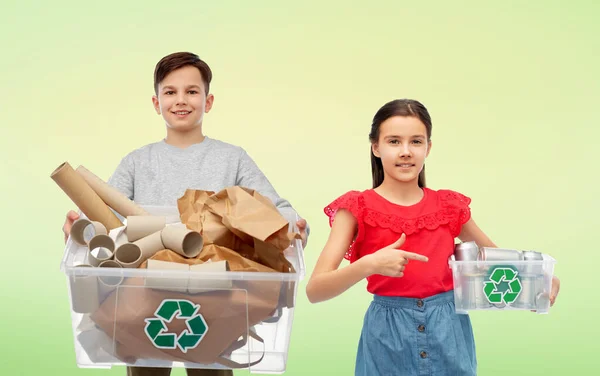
101	248
186	242
167	284
129	255
115	199
84	292
197	285
77	230
84	230
150	244
84	196
139	226
107	284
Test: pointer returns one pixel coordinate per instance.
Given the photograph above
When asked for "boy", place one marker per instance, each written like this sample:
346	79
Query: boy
159	173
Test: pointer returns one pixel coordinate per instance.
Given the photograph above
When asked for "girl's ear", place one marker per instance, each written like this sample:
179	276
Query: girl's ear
375	149
428	148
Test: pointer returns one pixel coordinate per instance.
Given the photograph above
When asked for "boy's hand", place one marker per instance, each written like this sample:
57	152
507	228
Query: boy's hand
71	217
302	228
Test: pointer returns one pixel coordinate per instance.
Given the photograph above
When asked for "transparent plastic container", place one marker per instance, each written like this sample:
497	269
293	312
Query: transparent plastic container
248	323
502	284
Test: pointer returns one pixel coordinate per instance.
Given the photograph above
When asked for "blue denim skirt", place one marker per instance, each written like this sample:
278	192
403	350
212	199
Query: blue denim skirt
406	336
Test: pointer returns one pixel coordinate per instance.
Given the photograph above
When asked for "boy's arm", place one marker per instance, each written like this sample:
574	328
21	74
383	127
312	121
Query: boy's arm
250	176
122	178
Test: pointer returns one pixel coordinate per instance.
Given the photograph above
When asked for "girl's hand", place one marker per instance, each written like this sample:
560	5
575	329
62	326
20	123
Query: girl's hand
554	290
391	261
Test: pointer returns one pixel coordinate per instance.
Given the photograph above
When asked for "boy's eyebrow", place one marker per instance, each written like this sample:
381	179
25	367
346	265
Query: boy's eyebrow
396	136
169	87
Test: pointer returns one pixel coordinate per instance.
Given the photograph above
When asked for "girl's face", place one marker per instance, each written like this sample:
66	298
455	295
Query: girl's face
403	146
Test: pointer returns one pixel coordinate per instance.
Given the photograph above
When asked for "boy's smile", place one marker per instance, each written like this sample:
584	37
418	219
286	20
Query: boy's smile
182	100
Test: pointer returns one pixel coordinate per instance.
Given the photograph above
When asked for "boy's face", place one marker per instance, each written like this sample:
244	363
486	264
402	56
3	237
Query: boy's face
182	100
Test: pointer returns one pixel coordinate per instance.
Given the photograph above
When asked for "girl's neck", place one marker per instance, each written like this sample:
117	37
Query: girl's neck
401	193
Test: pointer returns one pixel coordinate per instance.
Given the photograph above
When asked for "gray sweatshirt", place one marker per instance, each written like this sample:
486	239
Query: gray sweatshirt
158	174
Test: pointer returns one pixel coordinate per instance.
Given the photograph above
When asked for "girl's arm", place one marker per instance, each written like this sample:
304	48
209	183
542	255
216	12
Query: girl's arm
471	232
327	281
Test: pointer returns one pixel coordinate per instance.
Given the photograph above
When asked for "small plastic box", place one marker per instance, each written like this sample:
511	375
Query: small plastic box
95	348
502	284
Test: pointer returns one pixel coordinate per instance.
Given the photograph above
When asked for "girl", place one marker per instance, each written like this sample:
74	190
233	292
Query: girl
411	327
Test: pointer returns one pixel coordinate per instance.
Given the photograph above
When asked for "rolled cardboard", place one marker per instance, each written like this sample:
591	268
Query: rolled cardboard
197	285
139	226
150	244
118	234
84	230
77	230
101	248
92	230
107	284
167	284
84	292
129	255
179	239
115	199
84	196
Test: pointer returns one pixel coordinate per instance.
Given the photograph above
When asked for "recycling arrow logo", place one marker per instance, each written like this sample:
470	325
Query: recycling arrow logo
156	328
502	276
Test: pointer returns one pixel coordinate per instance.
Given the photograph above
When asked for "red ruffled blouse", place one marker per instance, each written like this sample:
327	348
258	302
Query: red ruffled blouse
430	227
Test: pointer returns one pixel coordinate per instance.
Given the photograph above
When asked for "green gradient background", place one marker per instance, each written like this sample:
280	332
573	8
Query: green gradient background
513	90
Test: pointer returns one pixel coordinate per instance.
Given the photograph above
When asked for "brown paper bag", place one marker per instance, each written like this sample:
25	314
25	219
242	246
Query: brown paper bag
240	219
228	313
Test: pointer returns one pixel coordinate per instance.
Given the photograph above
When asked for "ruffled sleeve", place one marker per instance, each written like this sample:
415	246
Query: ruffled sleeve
456	205
354	203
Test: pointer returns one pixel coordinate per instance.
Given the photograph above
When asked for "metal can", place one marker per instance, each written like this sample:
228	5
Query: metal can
527	299
499	254
536	266
467	252
472	294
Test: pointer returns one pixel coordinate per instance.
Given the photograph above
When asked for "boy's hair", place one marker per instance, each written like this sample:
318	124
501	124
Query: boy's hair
398	107
179	60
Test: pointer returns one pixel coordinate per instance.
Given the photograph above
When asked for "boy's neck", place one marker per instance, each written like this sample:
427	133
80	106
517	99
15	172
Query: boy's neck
183	140
401	193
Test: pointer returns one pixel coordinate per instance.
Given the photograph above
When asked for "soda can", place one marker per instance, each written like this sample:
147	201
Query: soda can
536	265
527	298
472	294
467	252
499	254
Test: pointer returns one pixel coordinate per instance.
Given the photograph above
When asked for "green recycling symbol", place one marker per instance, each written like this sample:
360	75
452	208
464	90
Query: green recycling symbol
189	338
499	276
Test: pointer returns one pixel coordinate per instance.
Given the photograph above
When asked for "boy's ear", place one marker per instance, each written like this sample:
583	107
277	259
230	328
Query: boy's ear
209	102
375	149
156	104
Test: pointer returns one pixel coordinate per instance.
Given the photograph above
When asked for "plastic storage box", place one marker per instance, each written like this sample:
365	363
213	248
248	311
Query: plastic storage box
502	284
246	325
